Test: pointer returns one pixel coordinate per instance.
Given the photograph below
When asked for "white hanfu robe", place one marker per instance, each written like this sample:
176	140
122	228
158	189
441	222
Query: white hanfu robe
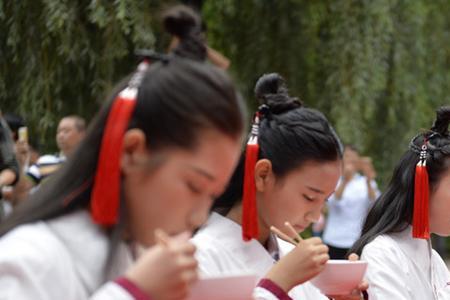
221	251
63	258
403	268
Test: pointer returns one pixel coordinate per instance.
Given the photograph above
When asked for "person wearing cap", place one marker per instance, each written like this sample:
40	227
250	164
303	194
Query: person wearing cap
395	238
291	165
114	222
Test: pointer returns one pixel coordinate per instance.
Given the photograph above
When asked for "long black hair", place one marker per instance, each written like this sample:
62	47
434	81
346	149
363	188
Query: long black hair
393	210
289	135
178	98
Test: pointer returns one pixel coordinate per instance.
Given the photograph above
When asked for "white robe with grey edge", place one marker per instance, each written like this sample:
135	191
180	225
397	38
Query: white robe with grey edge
63	258
221	251
403	268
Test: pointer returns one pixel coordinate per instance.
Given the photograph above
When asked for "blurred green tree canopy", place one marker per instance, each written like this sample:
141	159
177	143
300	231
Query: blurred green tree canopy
377	69
60	57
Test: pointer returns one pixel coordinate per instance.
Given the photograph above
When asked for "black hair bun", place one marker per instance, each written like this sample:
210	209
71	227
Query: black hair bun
271	89
442	121
184	23
180	21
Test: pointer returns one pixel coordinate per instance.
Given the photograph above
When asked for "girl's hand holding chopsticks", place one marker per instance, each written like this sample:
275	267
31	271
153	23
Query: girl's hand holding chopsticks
304	262
167	269
291	236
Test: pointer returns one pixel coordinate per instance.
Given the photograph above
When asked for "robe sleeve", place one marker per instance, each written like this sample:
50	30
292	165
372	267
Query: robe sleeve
384	273
30	277
269	290
41	269
121	289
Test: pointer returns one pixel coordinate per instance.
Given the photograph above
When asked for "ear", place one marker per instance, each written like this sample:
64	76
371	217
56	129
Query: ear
263	174
134	149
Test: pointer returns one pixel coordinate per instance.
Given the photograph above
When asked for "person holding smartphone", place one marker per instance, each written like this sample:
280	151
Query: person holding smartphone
348	206
9	167
8	163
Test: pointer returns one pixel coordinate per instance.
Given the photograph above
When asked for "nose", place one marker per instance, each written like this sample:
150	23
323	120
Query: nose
201	212
314	215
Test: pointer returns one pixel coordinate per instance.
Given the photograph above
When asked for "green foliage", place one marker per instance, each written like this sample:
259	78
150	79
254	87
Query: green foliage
377	69
62	57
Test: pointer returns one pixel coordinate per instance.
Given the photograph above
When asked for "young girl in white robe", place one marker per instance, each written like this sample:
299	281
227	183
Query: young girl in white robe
140	182
396	235
296	165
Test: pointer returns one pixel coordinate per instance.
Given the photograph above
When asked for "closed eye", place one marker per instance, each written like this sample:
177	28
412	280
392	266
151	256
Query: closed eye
309	198
199	192
193	188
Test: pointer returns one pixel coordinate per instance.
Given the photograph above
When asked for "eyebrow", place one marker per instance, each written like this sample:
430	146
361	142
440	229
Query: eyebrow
315	190
202	172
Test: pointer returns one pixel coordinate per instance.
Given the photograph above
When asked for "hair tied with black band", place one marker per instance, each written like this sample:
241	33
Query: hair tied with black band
442	121
271	89
421	179
272	94
183	23
151	56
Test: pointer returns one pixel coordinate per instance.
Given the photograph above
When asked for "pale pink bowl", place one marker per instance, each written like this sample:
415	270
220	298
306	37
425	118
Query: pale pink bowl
238	287
340	277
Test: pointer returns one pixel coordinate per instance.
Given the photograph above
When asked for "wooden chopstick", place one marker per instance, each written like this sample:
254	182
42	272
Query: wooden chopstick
296	236
283	236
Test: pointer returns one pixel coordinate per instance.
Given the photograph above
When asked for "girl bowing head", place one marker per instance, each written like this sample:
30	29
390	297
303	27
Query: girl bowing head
291	166
156	155
395	237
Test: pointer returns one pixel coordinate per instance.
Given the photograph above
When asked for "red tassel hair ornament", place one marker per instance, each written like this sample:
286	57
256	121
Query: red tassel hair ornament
249	210
105	198
421	227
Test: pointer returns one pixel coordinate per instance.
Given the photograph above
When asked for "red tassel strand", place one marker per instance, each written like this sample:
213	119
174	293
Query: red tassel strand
105	198
421	228
249	215
250	228
106	191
